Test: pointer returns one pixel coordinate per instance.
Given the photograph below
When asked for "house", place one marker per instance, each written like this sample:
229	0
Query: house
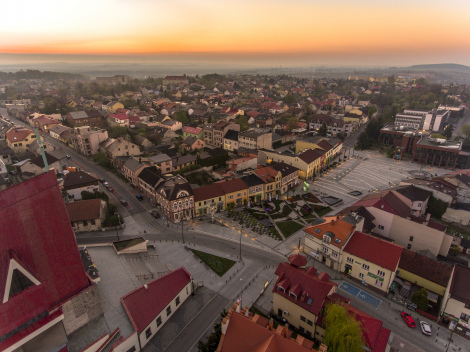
243	163
255	188
148	178
209	199
236	191
77	182
176	80
150	306
19	139
122	147
112	106
46	294
371	260
142	142
55	131
86	215
300	292
309	162
263	121
219	130
289	174
36	166
426	272
326	237
418	197
45	123
175	198
118	119
88	141
193	143
455	309
163	162
5	152
195	132
272	181
255	140
230	141
183	161
131	169
243	333
329	147
92	118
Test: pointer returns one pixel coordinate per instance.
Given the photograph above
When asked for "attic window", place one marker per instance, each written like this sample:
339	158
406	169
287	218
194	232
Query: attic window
309	303
292	294
337	240
318	230
280	288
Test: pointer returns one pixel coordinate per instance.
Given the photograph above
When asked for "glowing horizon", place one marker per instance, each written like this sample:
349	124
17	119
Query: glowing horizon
209	27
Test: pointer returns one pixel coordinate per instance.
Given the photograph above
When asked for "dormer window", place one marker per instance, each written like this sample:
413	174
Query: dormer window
280	288
292	294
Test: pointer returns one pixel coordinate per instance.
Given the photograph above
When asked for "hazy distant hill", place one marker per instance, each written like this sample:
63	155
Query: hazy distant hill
447	67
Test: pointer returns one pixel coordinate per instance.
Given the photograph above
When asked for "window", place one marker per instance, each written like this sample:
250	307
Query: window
309	334
334	254
411	238
350	260
292	295
280	288
467	306
187	291
408	247
325	250
381	227
85	223
309	322
419	205
302	330
464	317
177	301
365	267
92	222
378	283
303	318
380	273
361	275
159	321
168	310
148	333
20	144
132	349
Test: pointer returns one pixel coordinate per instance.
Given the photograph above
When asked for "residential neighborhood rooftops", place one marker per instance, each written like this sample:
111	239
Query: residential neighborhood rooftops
145	303
39	161
370	248
84	210
18	134
133	164
150	175
77	115
460	285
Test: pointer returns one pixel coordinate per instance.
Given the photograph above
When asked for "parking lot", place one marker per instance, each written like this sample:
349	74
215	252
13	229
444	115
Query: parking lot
358	293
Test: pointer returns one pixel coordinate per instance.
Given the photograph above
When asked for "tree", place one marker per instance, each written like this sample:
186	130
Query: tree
341	136
117	131
343	333
243	122
372	110
420	298
448	131
436	207
181	116
466	130
292	123
323	130
289	98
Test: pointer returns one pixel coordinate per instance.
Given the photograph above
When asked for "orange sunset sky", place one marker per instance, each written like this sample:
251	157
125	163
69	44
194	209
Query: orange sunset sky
383	29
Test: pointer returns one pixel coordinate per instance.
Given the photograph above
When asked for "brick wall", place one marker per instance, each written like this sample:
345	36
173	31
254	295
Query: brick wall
81	309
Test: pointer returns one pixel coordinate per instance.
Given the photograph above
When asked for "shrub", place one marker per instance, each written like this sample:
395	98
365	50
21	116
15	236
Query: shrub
420	298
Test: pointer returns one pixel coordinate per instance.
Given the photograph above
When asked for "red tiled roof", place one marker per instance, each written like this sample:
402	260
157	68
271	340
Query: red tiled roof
208	192
312	285
267	174
374	250
309	156
17	135
297	260
44	242
84	210
120	116
192	130
144	304
134	119
233	185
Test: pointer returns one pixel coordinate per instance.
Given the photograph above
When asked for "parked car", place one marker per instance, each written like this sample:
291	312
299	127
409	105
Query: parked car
106	184
13	172
102	180
123	202
425	328
155	214
408	319
68	156
139	197
110	188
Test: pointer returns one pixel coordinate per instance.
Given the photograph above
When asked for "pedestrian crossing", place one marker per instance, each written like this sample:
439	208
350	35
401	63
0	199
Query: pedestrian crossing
153	223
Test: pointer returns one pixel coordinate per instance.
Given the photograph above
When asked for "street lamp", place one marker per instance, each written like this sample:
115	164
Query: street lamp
117	231
241	233
182	225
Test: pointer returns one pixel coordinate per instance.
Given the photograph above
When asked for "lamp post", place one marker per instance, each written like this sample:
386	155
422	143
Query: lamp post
182	225
241	233
117	231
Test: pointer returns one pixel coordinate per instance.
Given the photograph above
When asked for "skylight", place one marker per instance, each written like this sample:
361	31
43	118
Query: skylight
310	300
318	230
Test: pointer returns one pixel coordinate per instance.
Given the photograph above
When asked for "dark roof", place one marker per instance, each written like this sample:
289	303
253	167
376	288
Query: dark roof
309	156
144	304
233	185
460	285
78	178
284	168
150	175
425	267
216	151
84	210
173	186
181	160
39	161
252	180
385	254
208	192
414	193
232	135
43	244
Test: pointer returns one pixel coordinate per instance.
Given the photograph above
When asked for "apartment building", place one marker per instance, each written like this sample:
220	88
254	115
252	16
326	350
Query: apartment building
86	140
255	140
272	181
219	130
289	174
19	139
309	162
92	118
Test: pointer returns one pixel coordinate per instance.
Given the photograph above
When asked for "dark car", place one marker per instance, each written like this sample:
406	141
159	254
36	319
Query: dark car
102	180
123	202
155	214
139	197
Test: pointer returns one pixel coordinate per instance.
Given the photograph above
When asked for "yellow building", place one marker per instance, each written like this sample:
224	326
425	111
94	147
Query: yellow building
272	181
371	260
321	145
209	199
19	139
455	309
113	106
235	190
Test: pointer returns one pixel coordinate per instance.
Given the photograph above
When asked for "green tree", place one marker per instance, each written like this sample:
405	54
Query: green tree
117	131
343	333
420	298
243	122
102	159
372	110
466	130
213	339
181	116
448	131
289	98
292	123
436	207
323	130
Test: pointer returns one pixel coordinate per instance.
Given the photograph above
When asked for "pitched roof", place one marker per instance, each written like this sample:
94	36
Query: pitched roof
192	130
133	164
32	211
39	161
119	116
252	180
267	174
18	134
232	135
374	250
190	140
413	193
174	186
143	305
59	129
78	178
314	288
181	160
309	156
233	185
207	192
460	285
77	115
336	229
84	209
284	168
150	175
425	267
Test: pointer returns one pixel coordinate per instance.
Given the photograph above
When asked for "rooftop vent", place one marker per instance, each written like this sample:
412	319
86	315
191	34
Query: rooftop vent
145	286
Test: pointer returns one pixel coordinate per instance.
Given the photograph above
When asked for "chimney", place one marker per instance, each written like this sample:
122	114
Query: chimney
285	329
322	348
145	286
271	324
428	217
224	325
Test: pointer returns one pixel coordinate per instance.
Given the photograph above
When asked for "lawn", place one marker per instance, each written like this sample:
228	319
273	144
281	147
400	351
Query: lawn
276	206
289	227
127	243
276	234
323	211
218	264
309	217
256	213
277	216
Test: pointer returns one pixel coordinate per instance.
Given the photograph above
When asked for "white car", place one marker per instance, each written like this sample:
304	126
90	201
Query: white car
425	328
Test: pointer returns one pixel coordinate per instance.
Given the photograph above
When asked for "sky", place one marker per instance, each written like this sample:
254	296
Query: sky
274	32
